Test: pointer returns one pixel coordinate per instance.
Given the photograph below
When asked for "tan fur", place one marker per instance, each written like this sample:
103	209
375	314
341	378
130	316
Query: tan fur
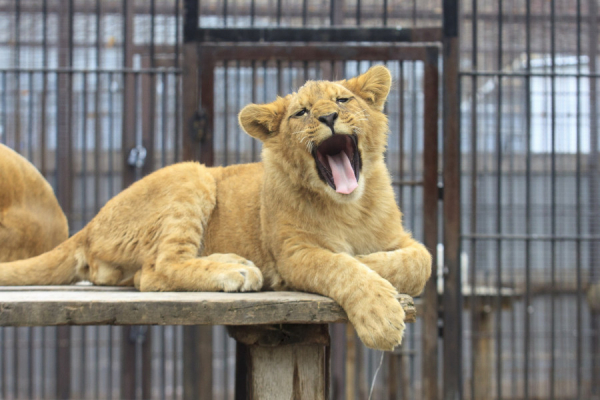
188	227
31	221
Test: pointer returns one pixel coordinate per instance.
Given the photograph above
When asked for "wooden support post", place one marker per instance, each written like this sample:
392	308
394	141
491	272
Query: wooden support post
285	361
482	370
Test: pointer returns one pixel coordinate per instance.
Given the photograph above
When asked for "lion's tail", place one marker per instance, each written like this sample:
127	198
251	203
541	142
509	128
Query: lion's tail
58	266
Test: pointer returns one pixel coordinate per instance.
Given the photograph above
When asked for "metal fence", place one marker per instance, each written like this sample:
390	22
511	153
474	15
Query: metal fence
91	92
82	83
530	186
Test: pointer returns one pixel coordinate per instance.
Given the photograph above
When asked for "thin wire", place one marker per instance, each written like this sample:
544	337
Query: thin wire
375	376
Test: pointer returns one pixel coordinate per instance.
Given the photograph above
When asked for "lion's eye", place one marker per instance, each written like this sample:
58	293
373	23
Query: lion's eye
343	100
301	112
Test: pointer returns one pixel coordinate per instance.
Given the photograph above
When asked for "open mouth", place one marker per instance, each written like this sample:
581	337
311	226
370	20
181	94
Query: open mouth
338	162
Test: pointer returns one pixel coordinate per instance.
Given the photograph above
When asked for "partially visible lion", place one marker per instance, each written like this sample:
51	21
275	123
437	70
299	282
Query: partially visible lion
31	221
318	214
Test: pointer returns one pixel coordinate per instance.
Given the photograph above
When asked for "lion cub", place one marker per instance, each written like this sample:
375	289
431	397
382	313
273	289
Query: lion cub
31	221
318	214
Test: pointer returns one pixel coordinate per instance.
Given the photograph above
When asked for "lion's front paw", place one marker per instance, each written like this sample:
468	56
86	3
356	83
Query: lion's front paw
378	320
239	278
233	273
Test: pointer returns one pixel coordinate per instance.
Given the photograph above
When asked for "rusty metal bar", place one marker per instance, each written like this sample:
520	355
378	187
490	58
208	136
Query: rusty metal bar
43	139
129	106
475	315
76	70
226	113
63	362
84	144
190	20
149	100
17	81
97	106
531	237
3	104
594	189
205	116
528	205
401	85
529	74
578	223
148	105
499	227
553	216
190	101
452	297
197	362
178	113
430	225
64	156
315	52
320	34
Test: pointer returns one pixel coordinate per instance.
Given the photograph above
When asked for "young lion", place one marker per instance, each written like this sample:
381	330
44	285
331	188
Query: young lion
317	215
31	221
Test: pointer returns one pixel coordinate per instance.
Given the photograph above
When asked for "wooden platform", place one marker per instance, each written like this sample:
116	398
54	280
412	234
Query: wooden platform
97	305
282	337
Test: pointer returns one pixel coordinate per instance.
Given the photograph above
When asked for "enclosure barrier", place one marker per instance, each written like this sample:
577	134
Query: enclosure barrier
283	335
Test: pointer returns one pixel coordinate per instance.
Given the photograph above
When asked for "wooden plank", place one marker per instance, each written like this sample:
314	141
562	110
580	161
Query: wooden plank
93	307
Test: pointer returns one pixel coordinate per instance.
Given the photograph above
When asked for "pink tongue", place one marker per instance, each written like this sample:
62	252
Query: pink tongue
343	175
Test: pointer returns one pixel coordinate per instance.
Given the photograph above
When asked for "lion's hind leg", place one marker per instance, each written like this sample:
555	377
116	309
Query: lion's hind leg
171	262
214	273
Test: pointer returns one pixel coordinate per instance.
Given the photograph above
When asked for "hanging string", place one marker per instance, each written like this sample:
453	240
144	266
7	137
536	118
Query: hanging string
375	376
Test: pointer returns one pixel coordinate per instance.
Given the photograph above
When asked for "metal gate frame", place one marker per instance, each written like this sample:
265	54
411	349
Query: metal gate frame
202	51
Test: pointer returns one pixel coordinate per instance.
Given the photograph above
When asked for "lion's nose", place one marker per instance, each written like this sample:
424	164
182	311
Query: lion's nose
329	119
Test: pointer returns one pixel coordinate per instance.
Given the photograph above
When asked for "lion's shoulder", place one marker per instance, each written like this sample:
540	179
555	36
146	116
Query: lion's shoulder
250	171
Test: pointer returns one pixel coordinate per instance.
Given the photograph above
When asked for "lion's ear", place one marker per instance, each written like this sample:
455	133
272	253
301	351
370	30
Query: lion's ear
373	86
262	120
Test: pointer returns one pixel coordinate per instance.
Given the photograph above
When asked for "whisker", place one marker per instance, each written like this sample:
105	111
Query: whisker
309	146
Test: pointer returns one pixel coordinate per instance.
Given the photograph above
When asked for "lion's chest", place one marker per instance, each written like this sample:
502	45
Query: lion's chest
361	236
